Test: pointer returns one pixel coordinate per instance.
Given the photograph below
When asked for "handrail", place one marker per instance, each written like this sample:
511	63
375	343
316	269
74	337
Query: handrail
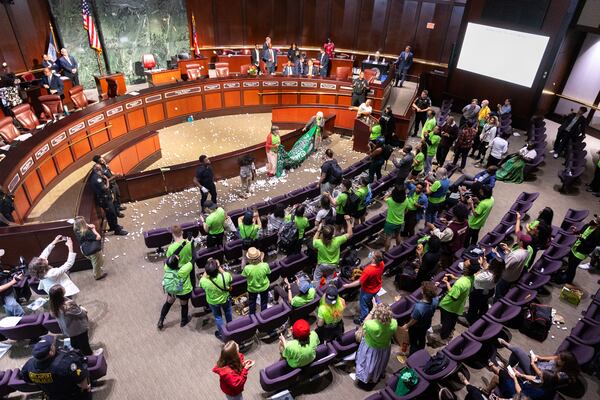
573	99
317	93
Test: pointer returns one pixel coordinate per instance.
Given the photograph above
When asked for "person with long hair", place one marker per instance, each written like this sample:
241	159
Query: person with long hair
72	319
420	150
373	353
217	284
483	287
328	250
428	259
277	219
49	276
88	236
394	220
540	231
232	369
293	53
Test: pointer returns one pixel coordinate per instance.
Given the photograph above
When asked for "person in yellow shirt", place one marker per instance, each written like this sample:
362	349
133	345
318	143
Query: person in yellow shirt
482	116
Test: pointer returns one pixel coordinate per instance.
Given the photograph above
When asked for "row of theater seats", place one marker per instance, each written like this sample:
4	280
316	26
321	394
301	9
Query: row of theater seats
538	138
26	119
575	162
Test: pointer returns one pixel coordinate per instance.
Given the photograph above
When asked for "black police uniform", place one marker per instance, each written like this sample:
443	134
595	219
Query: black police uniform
359	91
59	377
104	199
206	178
7	206
114	188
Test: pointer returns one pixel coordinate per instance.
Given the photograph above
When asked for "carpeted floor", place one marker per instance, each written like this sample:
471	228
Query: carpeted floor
176	363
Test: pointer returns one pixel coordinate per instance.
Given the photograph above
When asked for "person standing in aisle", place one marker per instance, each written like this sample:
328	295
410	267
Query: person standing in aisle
205	181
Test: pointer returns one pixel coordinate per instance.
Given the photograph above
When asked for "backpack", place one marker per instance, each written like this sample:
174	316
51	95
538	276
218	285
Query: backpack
537	321
172	282
288	236
436	364
335	173
329	218
369	197
352	203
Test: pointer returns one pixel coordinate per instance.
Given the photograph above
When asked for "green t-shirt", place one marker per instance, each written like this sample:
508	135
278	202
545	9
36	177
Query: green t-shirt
454	301
275	140
375	132
300	356
482	211
428	126
248	231
329	254
435	141
411	201
331	313
395	211
185	255
258	277
216	221
301	223
214	295
340	202
302	300
362	193
184	273
378	335
419	162
437	185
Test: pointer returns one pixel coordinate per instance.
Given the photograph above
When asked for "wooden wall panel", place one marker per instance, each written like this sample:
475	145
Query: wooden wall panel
136	119
232	99
47	171
9	45
213	101
289	99
21	202
33	185
99	138
188	105
308	98
288	11
63	158
452	33
119	127
315	22
80	144
155	113
371	25
423	43
259	21
327	99
115	165
230	15
401	25
145	148
30	19
344	20
251	98
129	158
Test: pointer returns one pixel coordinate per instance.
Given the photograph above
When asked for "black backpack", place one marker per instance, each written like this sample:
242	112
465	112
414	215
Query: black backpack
352	203
329	218
335	173
288	237
537	321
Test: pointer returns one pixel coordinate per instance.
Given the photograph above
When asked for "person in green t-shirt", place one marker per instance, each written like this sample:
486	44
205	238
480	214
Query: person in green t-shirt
429	124
328	250
436	194
432	139
330	322
362	193
182	290
452	305
257	273
214	224
480	213
394	220
217	284
418	160
185	254
303	349
297	294
375	132
249	226
340	204
379	328
299	219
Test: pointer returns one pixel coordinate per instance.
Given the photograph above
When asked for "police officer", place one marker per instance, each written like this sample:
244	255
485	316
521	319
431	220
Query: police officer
360	87
114	188
61	374
7	206
104	199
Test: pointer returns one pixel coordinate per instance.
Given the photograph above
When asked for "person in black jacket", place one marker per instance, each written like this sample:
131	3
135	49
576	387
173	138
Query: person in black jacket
388	126
588	240
52	82
572	128
205	181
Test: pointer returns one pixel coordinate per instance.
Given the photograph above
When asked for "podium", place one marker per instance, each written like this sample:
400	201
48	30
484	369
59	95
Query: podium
102	84
163	77
361	133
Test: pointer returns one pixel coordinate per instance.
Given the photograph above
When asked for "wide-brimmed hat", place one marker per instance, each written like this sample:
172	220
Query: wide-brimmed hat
253	254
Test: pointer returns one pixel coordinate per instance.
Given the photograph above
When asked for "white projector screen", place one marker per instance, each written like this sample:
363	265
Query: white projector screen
511	56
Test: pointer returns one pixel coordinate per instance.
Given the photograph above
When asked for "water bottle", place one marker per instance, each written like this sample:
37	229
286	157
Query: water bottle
66	110
67	344
190	118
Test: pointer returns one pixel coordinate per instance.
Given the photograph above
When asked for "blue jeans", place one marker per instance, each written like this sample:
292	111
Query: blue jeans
428	162
401	75
11	306
216	310
366	303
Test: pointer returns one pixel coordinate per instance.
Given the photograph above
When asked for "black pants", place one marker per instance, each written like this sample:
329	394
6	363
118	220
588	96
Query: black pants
478	304
264	301
417	338
212	190
561	140
358	99
215	240
73	77
420	118
572	265
116	195
482	148
328	333
410	221
492	161
595	184
81	342
448	320
476	143
474	393
375	169
462	154
472	237
111	215
442	153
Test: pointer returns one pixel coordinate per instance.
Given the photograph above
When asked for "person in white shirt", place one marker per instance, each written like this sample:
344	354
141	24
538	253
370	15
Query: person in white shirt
498	148
365	109
528	153
514	165
488	133
49	276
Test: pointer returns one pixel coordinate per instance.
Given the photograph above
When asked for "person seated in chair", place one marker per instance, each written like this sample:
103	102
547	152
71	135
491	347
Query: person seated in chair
303	349
289	69
311	70
296	294
53	83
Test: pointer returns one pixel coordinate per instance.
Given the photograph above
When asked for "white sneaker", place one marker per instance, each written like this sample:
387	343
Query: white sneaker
555	155
98	352
585	266
551	151
516	134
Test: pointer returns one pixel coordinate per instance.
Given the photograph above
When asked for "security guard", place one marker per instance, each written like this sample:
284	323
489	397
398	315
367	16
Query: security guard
104	199
61	374
113	184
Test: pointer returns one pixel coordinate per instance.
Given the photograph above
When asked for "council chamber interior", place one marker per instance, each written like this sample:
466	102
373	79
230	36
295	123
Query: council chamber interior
334	199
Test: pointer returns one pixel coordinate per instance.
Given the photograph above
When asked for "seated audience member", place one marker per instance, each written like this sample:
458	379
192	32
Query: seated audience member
397	204
587	240
415	208
214	224
540	231
428	258
330	322
53	83
296	294
288	69
302	350
421	316
370	283
257	273
454	234
452	304
300	65
498	148
373	353
177	284
277	218
513	166
480	208
485	177
232	369
449	133
436	194
49	276
484	284
403	165
328	251
365	109
216	284
311	70
72	319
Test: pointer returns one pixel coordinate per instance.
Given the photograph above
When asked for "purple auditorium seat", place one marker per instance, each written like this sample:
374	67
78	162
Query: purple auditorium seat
33	283
393	258
491	239
483	330
378	221
519	296
293	264
503	312
283	199
51	324
346	344
359	234
232	250
568	178
157	238
564	239
576	215
28	328
586	333
325	356
190	229
417	295
278	377
509	218
16	382
533	281
557	252
273	317
263	208
592	314
582	352
97	367
5	389
202	255
546	266
526	197
241	329
199	298
239	285
269	242
389	392
402	309
376	396
462	348
235	214
305	311
521	208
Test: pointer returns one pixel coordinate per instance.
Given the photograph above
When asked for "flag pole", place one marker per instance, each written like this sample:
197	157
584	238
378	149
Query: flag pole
100	38
192	36
53	36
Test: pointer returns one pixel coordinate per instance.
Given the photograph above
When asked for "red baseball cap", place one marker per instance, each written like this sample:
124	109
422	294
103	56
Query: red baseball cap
301	329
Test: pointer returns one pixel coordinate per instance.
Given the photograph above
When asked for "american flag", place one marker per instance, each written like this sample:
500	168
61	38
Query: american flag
88	24
195	37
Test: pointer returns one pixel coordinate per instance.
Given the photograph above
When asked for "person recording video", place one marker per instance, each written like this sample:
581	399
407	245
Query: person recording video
8	279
